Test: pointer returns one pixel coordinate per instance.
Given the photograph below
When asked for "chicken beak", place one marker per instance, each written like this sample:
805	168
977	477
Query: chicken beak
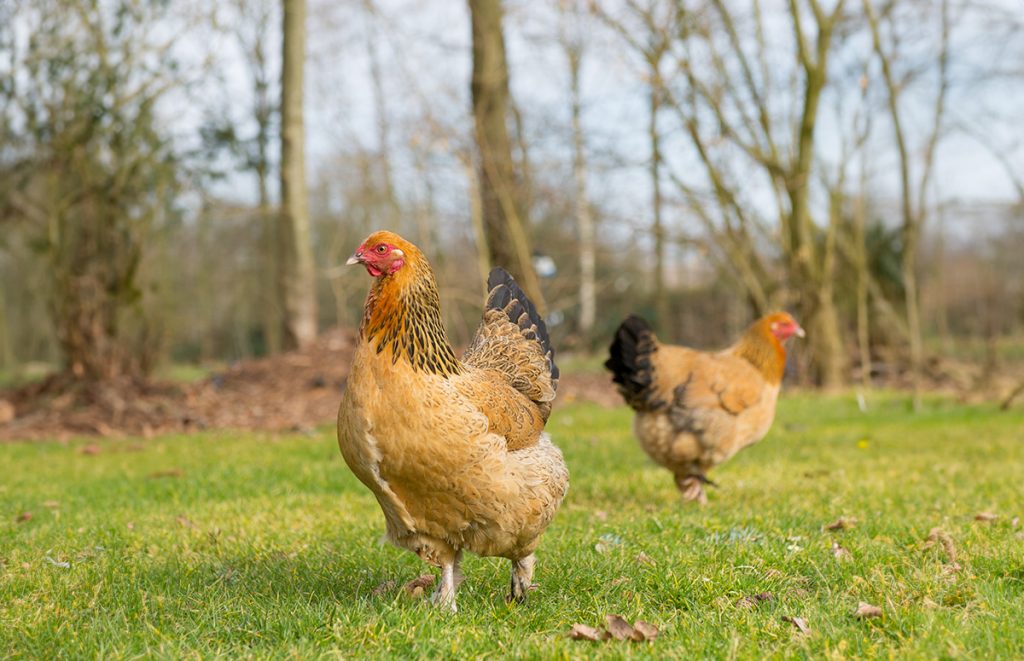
355	259
799	332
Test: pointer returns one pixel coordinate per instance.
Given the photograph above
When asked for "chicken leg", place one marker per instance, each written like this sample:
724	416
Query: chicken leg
451	578
522	578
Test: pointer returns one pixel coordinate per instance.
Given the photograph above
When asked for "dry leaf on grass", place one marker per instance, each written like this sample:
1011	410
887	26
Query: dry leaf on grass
616	628
798	622
583	632
601	515
865	611
773	573
645	559
51	504
58	563
385	587
646	629
938	536
185	522
842	523
840	553
620	580
754	600
418	585
986	516
91	449
170	472
23	517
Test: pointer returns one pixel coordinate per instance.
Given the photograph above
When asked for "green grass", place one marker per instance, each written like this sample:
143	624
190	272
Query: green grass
266	546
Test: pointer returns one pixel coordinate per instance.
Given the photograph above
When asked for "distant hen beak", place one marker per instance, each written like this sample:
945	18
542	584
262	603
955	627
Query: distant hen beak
355	259
799	332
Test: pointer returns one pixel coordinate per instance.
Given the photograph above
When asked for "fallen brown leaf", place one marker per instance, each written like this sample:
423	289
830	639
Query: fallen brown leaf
417	586
985	516
645	559
619	629
51	504
754	600
170	472
23	517
185	522
942	538
385	587
840	553
798	622
583	632
620	580
646	629
91	449
865	611
773	573
842	523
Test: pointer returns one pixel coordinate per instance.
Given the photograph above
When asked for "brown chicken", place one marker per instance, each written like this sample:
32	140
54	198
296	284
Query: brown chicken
453	449
694	409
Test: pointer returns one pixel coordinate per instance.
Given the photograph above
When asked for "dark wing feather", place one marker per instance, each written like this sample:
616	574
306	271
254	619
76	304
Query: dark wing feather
512	339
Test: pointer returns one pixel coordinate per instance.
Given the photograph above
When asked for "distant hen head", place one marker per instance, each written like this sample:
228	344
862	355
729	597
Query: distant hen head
781	325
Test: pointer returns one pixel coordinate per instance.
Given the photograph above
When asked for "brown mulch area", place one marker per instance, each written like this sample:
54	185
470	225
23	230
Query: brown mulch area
293	391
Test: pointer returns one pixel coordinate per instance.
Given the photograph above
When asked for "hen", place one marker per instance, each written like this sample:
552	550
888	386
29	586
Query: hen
453	449
694	409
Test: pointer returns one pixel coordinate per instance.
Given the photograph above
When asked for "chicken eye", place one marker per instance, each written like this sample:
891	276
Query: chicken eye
382	249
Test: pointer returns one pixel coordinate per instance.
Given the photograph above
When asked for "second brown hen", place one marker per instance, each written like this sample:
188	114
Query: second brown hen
696	409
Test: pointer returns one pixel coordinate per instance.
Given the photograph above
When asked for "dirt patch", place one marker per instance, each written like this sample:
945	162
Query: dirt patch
294	391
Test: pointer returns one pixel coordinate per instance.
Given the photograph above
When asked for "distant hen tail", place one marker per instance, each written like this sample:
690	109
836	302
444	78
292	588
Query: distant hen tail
630	363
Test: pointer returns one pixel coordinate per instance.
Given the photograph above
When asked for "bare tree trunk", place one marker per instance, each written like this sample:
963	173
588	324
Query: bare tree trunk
297	282
912	219
503	213
861	263
584	217
6	354
812	277
661	308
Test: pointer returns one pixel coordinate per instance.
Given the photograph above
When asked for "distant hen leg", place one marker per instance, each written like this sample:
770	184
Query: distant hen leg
522	578
692	488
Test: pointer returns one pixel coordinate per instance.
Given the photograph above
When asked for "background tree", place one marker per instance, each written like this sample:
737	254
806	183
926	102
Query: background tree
504	214
90	171
297	274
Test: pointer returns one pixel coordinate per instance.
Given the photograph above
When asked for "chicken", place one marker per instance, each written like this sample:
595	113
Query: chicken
453	449
694	409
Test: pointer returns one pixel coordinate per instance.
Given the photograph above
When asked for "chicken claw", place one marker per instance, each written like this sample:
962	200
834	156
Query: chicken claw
692	487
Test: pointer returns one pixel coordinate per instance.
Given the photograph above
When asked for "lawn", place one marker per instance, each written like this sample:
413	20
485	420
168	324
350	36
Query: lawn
236	545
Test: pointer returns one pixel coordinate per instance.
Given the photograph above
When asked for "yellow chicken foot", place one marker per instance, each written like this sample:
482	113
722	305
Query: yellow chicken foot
522	578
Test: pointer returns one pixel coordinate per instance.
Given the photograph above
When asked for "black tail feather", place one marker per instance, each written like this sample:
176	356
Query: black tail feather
630	362
503	291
